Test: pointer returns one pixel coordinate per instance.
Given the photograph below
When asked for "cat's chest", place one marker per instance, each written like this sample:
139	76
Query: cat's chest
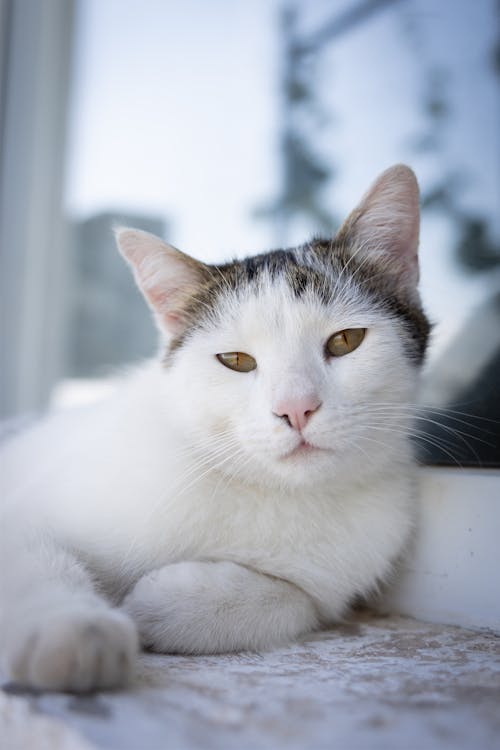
240	518
319	541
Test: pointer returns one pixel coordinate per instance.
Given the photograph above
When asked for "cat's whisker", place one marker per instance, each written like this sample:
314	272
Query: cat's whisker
206	460
454	431
407	431
160	504
205	436
200	446
355	444
410	415
226	479
207	457
385	415
387	446
435	442
211	469
439	410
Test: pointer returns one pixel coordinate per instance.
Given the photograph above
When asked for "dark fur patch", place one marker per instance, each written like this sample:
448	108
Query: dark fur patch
314	267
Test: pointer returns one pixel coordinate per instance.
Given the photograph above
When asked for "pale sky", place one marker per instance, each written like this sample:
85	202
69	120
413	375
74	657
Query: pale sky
176	110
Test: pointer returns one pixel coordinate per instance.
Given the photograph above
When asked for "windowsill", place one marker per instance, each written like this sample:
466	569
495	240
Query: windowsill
451	575
386	682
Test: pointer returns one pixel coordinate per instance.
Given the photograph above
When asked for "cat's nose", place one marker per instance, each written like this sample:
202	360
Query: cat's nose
297	411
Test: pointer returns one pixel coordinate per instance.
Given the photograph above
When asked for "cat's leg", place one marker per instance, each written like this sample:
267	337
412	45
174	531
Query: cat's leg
215	607
56	632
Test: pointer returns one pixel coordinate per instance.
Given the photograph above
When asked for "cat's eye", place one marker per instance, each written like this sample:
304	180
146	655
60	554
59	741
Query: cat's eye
238	361
345	341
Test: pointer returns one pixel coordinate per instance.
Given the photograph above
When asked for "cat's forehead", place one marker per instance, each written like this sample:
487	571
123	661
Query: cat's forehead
273	307
299	269
321	281
316	286
291	287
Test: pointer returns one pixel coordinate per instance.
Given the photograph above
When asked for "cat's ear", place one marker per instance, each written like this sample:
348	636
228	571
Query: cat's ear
166	276
385	226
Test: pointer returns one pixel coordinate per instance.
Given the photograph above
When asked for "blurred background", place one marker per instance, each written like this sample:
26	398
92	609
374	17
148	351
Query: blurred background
231	128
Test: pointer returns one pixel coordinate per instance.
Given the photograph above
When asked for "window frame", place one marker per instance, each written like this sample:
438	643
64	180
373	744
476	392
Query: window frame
35	70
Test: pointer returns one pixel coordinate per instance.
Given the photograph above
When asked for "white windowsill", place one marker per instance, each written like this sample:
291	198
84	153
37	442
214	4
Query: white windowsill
451	575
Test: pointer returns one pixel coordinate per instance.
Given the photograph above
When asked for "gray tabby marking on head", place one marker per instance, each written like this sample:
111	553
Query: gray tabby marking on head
317	267
373	257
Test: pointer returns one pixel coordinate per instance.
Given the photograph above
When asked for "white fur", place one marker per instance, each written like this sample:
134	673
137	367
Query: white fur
184	464
175	499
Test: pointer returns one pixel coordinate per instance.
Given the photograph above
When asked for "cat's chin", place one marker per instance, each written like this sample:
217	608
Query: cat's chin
303	466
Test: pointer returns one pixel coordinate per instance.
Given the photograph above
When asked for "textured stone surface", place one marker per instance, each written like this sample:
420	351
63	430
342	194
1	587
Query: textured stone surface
387	683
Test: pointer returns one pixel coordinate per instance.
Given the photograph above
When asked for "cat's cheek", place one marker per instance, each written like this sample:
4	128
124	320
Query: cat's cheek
381	373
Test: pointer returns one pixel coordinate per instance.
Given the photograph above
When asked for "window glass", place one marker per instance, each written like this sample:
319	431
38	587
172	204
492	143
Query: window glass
230	128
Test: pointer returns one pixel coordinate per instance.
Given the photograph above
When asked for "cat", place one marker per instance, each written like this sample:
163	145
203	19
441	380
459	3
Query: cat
244	487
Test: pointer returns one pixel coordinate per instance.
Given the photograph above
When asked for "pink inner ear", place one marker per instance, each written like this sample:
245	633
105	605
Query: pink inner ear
161	300
172	321
385	225
166	276
158	298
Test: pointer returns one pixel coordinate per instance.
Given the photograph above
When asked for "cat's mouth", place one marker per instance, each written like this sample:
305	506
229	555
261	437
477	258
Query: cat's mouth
303	449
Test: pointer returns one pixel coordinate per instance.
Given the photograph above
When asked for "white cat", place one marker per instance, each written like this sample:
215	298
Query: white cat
245	487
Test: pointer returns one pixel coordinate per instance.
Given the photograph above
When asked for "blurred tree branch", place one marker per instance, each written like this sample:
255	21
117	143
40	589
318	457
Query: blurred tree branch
304	171
475	248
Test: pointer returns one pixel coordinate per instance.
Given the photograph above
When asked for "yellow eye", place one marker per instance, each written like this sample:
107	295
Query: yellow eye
344	342
238	361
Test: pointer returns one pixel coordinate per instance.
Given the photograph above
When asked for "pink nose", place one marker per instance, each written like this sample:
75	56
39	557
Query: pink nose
297	410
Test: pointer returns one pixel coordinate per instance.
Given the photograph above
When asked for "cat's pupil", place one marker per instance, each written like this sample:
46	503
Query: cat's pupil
344	342
239	361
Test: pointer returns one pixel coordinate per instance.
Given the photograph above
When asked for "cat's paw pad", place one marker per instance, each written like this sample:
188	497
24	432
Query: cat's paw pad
76	651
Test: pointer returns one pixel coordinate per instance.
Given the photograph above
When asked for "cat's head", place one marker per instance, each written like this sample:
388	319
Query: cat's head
296	366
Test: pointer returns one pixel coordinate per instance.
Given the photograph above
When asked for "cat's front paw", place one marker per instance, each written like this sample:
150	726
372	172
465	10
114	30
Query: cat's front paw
74	650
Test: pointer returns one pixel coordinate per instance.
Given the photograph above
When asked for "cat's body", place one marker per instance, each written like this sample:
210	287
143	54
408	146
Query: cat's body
225	506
